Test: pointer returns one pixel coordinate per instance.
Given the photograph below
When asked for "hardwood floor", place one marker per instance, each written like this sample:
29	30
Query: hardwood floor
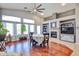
55	49
25	49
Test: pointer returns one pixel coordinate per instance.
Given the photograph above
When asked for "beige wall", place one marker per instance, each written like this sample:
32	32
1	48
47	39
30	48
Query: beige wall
38	20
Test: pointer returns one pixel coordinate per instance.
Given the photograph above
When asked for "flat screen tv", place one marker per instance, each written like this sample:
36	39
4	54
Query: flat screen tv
67	30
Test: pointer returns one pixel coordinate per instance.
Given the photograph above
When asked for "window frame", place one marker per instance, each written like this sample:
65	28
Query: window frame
12	20
28	21
22	21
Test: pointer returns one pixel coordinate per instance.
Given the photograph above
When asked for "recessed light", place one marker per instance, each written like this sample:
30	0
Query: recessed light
63	4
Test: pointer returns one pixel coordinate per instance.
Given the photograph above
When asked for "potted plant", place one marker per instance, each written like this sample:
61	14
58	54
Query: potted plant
3	32
23	29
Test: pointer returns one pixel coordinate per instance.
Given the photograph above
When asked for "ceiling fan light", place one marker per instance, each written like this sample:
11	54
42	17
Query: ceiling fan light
34	10
42	13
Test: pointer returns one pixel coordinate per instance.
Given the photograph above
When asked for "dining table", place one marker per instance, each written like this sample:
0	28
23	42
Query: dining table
39	38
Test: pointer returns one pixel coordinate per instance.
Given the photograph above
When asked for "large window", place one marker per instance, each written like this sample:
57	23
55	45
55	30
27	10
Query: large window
32	28
4	24
10	22
28	21
9	27
11	18
38	30
18	28
26	32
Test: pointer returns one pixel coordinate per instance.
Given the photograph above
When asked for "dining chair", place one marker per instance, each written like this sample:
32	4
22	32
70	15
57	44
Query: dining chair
45	42
34	42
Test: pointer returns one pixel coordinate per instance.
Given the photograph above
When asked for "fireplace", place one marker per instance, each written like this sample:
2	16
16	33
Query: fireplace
53	34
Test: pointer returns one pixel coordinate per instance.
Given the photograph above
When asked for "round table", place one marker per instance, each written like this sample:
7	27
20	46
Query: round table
38	38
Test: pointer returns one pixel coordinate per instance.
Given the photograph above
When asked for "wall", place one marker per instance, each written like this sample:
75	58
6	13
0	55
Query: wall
22	14
77	23
57	7
57	29
58	20
0	13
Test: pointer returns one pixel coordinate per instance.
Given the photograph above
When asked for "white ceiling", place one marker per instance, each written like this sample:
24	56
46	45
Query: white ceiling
50	8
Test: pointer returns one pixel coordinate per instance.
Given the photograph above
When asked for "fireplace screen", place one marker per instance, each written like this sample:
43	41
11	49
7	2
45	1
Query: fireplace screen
54	34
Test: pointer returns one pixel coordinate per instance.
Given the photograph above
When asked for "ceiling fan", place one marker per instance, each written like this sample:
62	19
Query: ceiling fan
35	9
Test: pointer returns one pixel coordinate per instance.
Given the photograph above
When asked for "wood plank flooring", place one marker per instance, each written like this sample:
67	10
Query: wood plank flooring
25	49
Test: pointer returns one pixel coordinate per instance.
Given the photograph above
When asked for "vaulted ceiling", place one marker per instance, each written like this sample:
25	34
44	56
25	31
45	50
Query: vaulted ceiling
50	8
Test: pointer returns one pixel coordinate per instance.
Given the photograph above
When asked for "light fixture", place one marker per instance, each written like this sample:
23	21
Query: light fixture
34	10
42	13
63	4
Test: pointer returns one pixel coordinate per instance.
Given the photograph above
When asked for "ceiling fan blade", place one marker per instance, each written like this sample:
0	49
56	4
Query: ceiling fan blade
41	9
39	6
28	11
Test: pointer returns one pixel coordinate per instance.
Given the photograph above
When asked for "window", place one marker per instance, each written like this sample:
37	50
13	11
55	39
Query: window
18	28
32	28
28	21
16	22
38	30
9	27
26	32
4	24
11	18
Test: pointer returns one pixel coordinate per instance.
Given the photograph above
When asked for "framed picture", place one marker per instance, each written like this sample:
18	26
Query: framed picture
53	24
